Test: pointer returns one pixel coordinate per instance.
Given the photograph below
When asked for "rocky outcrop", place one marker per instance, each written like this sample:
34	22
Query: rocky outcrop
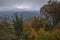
57	26
51	13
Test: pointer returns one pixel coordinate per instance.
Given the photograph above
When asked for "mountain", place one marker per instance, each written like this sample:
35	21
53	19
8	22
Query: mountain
27	15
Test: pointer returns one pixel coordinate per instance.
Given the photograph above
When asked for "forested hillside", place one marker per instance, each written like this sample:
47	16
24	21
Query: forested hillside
46	26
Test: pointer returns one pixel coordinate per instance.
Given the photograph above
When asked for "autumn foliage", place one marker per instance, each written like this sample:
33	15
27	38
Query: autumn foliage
37	29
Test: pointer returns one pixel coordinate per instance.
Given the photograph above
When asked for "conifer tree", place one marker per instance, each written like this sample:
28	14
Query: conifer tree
18	25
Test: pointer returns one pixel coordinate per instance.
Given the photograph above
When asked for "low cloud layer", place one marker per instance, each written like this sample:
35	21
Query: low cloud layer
23	4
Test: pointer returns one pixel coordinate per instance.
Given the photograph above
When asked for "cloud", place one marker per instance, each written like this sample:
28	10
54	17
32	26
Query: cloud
31	4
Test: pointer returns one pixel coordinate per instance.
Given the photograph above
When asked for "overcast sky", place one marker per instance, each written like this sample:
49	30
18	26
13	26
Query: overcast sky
22	4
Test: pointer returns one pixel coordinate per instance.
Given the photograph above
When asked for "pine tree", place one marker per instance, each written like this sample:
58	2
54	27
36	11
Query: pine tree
18	25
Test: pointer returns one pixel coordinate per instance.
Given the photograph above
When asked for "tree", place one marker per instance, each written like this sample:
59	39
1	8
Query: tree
56	34
36	24
6	30
18	26
26	31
